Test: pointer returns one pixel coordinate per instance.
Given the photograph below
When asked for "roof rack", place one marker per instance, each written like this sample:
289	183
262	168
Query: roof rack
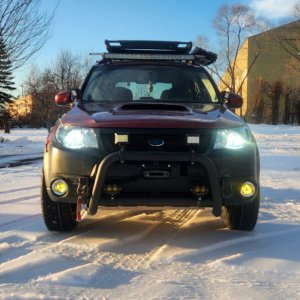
157	50
162	47
204	57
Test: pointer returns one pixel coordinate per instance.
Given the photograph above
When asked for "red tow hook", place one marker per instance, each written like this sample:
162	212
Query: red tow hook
83	192
78	209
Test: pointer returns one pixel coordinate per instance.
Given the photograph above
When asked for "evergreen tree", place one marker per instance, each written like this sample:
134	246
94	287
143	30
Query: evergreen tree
6	83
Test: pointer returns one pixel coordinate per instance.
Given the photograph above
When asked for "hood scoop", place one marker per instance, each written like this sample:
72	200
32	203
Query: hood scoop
153	106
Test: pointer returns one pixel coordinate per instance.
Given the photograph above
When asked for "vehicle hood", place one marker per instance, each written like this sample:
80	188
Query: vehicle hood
151	115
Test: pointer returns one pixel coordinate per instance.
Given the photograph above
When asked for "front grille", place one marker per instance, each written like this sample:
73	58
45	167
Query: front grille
170	143
140	140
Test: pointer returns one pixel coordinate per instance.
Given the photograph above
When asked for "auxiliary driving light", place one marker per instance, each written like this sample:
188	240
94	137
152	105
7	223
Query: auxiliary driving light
247	189
59	187
112	190
200	190
193	139
121	138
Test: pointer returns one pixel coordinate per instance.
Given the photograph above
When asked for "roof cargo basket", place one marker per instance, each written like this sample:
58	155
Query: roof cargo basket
162	47
204	57
121	50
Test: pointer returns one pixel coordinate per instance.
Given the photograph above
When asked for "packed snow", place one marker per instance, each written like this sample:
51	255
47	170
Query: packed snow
21	145
151	254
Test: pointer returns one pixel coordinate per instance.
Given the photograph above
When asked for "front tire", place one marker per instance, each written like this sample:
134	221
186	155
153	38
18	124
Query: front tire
57	216
241	217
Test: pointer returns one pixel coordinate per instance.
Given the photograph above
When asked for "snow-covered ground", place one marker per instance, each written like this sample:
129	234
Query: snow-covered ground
170	254
21	144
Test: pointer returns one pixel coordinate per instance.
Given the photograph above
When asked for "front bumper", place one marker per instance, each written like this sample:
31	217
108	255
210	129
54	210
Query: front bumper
225	171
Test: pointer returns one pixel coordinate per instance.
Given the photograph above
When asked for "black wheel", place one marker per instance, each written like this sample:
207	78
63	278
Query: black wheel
241	217
57	216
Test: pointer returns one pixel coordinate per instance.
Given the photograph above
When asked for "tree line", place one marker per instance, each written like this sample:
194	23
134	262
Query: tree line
24	30
67	71
269	96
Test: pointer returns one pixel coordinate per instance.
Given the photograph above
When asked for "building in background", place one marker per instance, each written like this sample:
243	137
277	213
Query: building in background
272	86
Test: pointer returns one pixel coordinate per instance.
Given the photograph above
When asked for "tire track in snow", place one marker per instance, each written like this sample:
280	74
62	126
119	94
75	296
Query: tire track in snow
22	199
122	259
32	256
49	240
171	221
17	224
232	243
134	253
28	188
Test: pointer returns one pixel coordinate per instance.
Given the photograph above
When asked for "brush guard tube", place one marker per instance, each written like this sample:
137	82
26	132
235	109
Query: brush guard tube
154	156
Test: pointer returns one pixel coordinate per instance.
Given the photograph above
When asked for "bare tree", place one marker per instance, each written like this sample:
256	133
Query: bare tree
275	91
288	91
296	11
288	39
87	61
233	24
24	28
201	41
41	87
68	70
294	104
259	103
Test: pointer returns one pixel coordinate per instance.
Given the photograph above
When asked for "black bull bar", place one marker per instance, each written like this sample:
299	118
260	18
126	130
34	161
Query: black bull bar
124	156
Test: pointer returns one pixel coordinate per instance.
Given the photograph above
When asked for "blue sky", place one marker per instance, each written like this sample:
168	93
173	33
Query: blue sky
89	22
82	25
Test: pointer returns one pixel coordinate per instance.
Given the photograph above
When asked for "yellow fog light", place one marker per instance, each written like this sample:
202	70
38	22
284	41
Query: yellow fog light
247	189
59	187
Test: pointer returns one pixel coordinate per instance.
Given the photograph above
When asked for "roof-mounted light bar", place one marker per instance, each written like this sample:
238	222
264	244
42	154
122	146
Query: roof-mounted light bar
198	59
147	56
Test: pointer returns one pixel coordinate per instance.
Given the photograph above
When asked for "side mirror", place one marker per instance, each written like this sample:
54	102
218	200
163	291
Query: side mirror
64	98
231	100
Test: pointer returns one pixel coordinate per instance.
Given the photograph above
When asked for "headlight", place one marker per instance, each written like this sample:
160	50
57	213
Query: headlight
76	137
236	138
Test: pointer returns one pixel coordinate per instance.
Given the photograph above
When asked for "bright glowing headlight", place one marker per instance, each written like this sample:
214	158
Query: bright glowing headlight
236	138
77	137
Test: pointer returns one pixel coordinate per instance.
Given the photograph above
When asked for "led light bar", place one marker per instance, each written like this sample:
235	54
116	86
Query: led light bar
148	56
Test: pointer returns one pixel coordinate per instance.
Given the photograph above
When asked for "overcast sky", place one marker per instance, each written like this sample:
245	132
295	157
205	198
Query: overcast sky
82	25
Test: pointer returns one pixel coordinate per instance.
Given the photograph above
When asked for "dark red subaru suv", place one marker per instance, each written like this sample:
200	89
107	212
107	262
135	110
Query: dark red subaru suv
149	127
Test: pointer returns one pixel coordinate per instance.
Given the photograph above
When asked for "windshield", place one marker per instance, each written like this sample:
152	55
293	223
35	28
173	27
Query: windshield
149	83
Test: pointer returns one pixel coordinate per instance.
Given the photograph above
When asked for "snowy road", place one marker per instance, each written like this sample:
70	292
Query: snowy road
170	254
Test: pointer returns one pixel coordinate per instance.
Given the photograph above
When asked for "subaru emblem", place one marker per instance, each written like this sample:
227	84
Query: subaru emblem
156	142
